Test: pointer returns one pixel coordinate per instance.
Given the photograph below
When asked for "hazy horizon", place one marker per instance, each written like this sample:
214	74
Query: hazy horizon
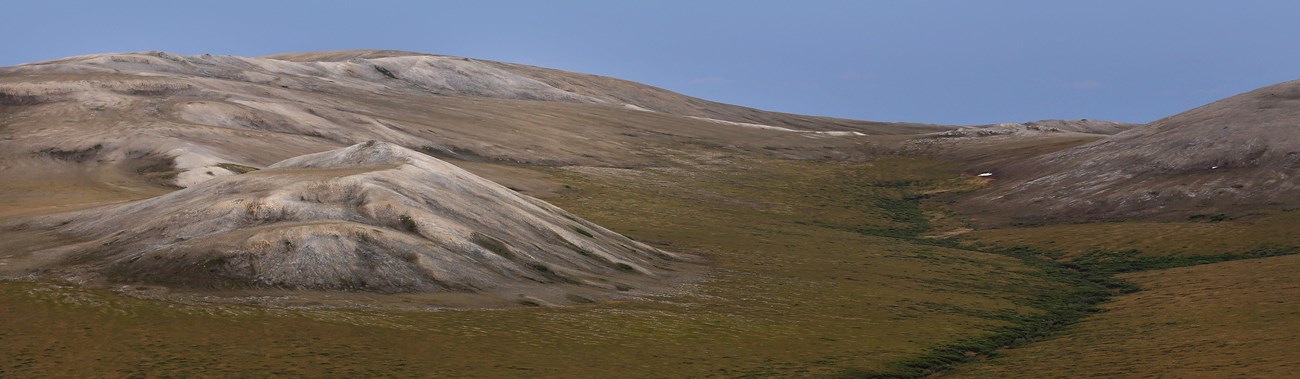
945	62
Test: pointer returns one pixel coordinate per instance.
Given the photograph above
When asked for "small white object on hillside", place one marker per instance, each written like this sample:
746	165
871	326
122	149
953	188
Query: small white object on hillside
985	174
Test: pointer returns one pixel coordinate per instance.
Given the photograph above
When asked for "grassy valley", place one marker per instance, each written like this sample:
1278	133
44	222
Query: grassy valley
817	272
1229	319
359	214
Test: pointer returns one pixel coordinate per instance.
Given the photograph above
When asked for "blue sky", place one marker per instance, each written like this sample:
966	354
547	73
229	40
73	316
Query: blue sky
958	62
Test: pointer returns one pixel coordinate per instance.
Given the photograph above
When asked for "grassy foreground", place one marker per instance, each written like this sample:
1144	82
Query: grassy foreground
818	273
1199	298
1222	320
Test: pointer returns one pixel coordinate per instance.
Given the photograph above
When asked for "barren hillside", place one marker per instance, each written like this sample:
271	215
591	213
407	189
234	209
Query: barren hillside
1040	127
96	129
167	164
1229	156
370	217
606	90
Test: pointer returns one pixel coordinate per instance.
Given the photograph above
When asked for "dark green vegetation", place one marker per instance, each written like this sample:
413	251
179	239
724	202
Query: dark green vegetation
1092	280
408	224
1134	261
812	278
1245	234
1189	295
822	269
1226	319
237	168
492	244
583	232
896	215
386	72
1060	308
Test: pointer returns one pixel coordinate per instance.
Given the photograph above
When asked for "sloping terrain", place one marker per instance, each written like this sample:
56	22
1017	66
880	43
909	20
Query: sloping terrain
810	277
371	217
1235	154
97	129
1200	237
1230	319
606	90
183	177
1084	126
1039	127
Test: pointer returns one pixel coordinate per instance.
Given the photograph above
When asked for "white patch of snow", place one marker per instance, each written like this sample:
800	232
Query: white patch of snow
637	108
777	128
194	164
842	133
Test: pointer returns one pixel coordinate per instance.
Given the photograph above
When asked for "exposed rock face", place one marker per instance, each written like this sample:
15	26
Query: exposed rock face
1242	152
371	217
1084	126
1040	127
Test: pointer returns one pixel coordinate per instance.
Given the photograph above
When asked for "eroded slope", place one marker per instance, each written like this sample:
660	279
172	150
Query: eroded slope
1239	153
372	217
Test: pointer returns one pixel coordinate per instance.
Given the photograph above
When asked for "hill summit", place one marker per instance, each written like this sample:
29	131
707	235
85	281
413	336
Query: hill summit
372	217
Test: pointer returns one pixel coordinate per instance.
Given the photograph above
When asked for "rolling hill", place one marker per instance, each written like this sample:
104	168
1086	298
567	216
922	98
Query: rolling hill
372	217
101	128
1231	156
359	193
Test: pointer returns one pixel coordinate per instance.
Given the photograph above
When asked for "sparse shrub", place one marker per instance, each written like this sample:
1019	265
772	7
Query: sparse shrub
1211	218
237	168
492	244
386	72
409	257
408	224
624	267
917	196
578	299
583	232
214	262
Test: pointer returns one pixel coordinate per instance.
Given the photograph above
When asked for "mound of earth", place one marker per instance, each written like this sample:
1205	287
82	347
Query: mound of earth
109	127
372	217
1235	154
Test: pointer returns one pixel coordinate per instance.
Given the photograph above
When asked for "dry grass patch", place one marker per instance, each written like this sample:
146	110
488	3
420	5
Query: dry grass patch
1275	229
816	275
1230	319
